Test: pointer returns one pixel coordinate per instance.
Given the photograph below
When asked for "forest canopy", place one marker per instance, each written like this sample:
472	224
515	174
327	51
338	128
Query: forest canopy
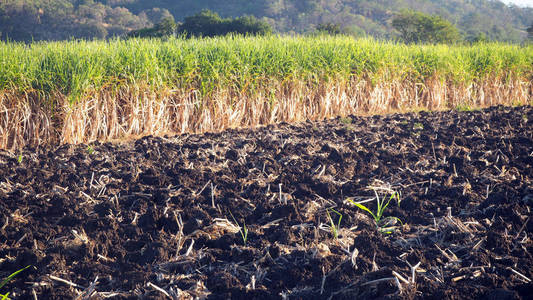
34	20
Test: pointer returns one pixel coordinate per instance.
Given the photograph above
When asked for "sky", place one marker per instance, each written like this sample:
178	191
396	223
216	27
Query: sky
520	2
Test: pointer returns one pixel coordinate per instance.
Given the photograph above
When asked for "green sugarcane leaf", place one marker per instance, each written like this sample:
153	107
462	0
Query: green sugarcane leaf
11	277
361	206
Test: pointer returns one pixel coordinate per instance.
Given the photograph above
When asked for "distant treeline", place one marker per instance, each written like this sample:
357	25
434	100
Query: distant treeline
206	23
34	20
413	27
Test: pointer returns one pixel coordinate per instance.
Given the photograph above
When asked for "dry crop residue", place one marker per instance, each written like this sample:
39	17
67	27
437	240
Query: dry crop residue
245	214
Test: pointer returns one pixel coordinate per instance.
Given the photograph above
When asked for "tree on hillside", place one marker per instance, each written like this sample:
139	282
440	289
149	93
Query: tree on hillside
248	25
329	28
156	15
417	27
167	27
208	24
90	30
530	32
204	23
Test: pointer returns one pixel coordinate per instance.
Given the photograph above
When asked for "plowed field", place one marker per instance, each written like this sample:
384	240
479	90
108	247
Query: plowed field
248	214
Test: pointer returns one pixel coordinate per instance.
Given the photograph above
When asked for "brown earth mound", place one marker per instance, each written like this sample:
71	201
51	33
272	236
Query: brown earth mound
248	214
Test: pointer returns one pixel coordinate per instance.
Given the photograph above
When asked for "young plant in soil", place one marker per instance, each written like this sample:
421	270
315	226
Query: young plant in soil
243	230
334	228
90	149
8	279
383	223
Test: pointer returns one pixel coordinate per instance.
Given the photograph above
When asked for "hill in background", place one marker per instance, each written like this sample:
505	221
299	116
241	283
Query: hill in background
26	20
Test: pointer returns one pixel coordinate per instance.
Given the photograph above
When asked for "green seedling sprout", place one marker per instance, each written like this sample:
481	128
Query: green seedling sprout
381	223
243	230
8	279
397	196
334	228
90	149
19	158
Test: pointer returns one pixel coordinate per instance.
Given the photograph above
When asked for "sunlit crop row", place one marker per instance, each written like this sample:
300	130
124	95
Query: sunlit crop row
79	91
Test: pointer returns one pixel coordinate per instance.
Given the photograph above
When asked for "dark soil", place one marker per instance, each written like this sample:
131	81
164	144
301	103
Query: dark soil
162	215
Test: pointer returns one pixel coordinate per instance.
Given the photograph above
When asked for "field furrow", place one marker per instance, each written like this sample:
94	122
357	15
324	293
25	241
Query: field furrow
278	212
